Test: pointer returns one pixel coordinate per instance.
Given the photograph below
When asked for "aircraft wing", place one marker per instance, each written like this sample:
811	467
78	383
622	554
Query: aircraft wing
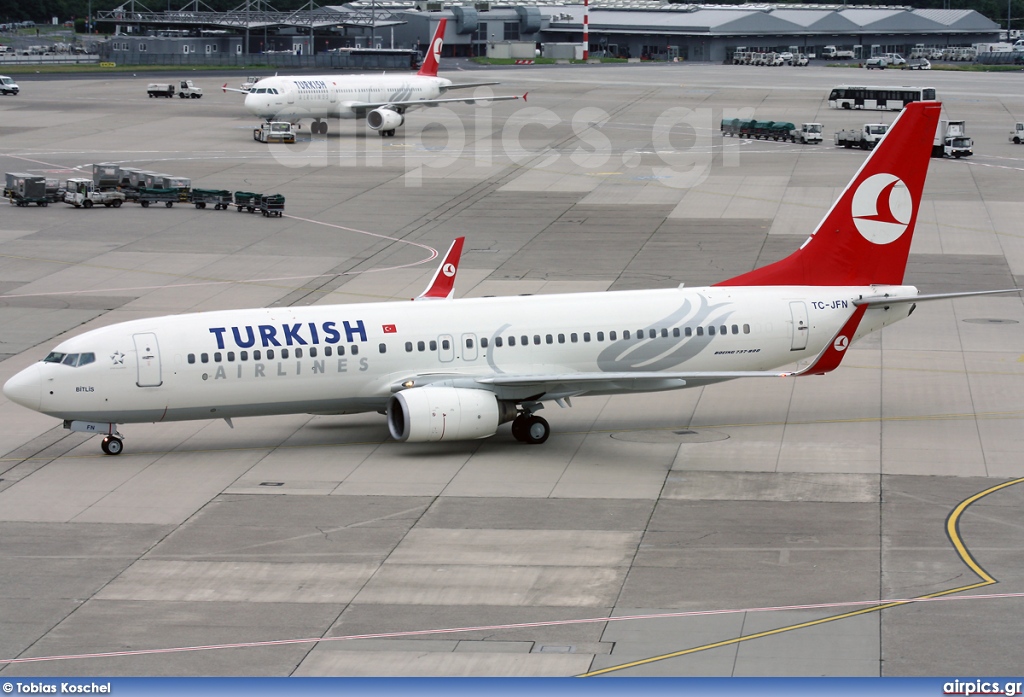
464	85
410	103
233	89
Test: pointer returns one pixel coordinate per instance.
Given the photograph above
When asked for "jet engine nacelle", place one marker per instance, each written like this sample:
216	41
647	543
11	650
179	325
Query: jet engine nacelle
425	414
384	119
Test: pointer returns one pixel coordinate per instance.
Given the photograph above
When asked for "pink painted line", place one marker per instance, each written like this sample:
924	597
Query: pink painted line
433	255
494	627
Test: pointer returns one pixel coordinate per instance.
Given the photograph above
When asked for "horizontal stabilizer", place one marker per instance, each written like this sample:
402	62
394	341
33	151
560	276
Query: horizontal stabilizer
893	300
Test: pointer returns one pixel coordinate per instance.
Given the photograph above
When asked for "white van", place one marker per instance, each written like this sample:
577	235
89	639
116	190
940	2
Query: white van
8	86
895	59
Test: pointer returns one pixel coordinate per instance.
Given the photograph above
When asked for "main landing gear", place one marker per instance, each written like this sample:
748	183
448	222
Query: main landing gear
390	133
318	128
529	428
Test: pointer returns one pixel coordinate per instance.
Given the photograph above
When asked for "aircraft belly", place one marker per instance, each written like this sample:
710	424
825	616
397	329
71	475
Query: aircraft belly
213	410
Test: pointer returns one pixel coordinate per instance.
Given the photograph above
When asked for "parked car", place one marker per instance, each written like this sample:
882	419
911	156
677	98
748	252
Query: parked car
921	64
787	56
895	59
877	62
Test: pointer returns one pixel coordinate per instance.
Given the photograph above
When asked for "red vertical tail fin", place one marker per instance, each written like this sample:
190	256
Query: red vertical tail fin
433	57
865	237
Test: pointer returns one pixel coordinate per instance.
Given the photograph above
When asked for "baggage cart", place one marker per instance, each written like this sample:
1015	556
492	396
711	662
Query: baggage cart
272	205
219	199
165	196
246	200
25	189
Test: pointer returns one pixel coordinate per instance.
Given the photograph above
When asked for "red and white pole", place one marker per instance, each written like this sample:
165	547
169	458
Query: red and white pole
586	29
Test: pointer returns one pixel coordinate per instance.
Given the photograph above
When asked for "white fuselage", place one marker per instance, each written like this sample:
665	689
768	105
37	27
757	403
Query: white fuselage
334	96
352	358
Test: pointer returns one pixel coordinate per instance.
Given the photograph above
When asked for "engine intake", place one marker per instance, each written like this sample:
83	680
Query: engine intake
425	414
383	119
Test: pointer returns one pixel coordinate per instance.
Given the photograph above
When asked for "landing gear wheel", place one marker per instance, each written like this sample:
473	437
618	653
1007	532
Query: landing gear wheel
112	445
532	430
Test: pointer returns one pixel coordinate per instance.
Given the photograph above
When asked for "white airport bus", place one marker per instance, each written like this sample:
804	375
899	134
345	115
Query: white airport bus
892	98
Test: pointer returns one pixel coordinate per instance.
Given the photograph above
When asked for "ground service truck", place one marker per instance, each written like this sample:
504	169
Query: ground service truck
864	138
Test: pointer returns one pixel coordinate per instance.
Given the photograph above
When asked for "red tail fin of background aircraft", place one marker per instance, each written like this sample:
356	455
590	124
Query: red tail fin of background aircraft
865	237
433	57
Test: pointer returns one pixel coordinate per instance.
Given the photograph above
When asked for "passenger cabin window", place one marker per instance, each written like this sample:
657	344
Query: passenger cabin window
383	348
191	358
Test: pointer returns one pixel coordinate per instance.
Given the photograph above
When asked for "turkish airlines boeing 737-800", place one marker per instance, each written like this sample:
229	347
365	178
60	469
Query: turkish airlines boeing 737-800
381	99
457	369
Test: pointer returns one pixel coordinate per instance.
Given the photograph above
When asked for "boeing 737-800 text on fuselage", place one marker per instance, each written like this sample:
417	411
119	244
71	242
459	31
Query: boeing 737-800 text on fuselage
381	99
457	369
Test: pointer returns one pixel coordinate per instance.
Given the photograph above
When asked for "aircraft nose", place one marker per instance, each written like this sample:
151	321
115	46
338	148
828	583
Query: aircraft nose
25	388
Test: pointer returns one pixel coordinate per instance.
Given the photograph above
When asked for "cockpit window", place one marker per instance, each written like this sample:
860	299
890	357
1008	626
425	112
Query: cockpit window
74	360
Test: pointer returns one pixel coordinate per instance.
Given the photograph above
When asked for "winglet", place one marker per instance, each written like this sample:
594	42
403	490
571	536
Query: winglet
524	95
442	285
829	359
433	58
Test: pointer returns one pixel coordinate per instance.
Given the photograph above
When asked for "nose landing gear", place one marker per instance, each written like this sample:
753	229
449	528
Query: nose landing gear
112	440
112	445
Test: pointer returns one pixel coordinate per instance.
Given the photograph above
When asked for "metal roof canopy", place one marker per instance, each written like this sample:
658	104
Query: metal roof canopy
252	14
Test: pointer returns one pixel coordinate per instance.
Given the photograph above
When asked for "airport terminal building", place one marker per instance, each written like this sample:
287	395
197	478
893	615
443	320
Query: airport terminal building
638	29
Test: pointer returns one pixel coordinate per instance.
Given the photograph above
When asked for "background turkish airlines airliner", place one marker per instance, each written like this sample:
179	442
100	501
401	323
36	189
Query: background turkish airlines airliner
381	99
457	369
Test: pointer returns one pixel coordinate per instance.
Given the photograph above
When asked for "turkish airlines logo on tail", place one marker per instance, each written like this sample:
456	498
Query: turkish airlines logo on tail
882	208
437	48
